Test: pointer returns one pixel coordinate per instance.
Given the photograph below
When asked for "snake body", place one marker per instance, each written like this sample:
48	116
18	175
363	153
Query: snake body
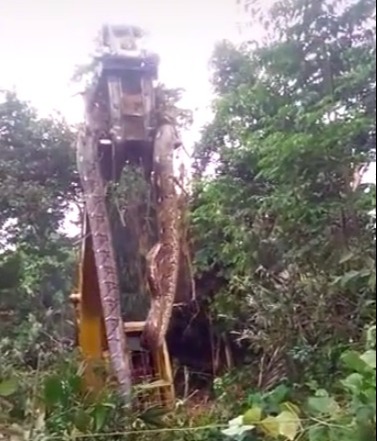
163	258
95	201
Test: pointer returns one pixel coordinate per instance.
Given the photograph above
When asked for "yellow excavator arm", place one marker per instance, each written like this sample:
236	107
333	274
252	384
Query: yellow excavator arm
121	125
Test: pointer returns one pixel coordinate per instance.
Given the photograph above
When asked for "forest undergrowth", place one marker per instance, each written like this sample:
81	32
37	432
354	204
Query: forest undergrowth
282	228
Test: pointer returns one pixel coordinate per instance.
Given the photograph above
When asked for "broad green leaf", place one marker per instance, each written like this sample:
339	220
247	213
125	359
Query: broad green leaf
82	420
155	412
53	390
369	357
237	429
153	416
365	415
323	405
75	383
353	360
370	394
270	426
100	414
321	393
236	422
351	275
279	393
8	387
289	424
252	416
231	431
353	382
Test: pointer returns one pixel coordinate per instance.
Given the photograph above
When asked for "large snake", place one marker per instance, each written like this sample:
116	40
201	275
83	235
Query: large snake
163	258
95	200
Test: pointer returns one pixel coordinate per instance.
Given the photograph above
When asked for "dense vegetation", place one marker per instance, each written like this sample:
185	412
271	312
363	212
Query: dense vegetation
283	235
38	181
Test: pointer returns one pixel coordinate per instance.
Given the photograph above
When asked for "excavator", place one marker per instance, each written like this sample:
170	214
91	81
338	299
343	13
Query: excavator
125	123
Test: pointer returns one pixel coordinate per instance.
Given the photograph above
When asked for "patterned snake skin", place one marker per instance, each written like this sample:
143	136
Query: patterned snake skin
95	200
163	258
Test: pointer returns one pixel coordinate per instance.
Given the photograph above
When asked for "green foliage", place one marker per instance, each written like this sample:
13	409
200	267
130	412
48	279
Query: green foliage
276	218
38	182
347	414
53	404
69	412
37	171
131	209
278	224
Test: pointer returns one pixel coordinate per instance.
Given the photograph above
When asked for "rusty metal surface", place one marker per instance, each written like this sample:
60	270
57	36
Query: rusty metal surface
130	114
134	129
132	105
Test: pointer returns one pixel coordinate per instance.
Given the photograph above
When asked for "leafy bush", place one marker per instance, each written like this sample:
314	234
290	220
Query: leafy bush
346	414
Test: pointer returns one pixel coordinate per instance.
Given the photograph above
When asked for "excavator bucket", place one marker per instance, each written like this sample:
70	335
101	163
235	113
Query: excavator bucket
127	73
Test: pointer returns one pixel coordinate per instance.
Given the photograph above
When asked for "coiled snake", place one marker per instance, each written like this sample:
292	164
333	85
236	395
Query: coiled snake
162	259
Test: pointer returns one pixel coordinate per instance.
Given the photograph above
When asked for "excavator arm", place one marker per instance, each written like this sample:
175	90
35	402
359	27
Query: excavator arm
121	112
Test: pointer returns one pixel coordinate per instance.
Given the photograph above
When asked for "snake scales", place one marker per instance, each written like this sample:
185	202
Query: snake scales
95	200
163	258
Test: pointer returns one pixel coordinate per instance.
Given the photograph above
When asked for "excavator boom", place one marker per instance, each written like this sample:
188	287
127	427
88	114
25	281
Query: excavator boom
121	116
